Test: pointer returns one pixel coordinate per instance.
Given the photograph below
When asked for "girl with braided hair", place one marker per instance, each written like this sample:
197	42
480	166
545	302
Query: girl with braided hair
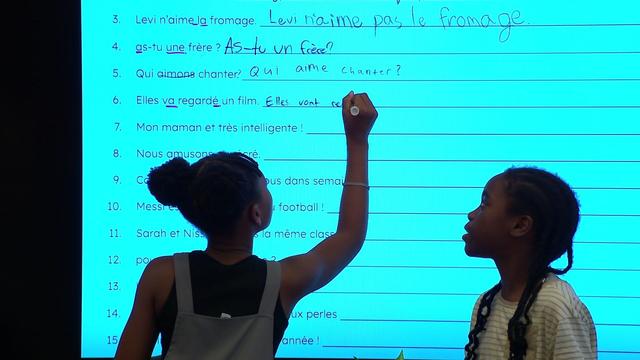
526	219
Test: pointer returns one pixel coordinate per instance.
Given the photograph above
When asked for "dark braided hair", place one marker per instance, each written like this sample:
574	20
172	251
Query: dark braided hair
211	193
555	212
484	309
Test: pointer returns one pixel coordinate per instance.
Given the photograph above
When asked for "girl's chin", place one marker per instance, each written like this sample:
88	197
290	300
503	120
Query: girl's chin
471	250
468	250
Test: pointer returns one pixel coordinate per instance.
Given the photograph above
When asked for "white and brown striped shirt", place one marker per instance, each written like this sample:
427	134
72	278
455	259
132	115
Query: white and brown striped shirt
561	326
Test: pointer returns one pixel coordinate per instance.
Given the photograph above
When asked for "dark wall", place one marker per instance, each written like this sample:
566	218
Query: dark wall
44	183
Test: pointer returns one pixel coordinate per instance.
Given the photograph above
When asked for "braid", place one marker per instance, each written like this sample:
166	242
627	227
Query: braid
569	263
552	204
484	309
520	320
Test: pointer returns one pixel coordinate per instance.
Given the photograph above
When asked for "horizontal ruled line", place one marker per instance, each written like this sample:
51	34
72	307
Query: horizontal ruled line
610	297
457	321
348	27
478	134
459	160
443	53
466	106
394	293
407	320
445	348
460	241
424	187
392	347
410	213
464	213
444	80
421	267
454	187
482	187
454	294
471	268
414	240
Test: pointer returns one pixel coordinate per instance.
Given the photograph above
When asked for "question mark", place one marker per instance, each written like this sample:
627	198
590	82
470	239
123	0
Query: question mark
398	70
218	46
330	45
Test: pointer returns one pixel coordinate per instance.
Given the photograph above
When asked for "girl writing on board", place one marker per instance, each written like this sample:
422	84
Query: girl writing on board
526	219
224	302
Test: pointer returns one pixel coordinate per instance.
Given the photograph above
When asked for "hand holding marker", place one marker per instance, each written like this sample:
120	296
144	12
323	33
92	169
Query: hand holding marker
358	115
354	110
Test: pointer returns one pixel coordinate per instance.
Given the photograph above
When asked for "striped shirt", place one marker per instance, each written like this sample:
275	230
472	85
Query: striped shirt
561	326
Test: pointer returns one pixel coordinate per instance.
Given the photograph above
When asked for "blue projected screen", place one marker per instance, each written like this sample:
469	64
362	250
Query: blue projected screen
464	89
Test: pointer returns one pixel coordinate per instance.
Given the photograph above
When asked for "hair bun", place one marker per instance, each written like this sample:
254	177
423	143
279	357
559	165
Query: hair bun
170	181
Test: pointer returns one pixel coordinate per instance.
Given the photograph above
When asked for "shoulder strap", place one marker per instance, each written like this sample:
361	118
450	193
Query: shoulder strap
183	282
271	289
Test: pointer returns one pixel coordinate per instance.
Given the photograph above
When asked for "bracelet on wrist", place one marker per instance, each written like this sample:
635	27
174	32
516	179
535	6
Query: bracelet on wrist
354	183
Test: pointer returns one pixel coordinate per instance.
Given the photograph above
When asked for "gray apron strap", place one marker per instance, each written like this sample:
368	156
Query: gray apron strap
271	289
183	283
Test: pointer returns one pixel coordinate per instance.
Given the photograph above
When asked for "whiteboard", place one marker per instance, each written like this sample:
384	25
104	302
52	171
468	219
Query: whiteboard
464	89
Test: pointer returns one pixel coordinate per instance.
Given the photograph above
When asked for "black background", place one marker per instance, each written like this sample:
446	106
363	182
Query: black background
42	145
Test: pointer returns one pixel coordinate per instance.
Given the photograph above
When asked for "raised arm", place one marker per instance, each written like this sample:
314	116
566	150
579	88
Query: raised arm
303	274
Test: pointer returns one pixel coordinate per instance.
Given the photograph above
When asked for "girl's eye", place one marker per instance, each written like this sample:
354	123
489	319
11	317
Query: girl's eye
483	202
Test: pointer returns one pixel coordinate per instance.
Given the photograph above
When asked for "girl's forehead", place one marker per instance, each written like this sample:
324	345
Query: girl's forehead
262	183
495	185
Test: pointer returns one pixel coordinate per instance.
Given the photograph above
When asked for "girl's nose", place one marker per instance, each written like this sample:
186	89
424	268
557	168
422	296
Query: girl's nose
472	214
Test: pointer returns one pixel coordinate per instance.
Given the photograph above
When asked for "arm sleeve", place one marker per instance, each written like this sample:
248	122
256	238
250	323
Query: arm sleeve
474	312
575	339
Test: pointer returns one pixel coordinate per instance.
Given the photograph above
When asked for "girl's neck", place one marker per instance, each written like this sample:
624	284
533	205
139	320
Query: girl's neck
229	251
513	277
228	256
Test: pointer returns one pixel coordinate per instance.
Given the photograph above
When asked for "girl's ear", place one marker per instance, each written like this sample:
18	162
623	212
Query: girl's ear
521	225
255	214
